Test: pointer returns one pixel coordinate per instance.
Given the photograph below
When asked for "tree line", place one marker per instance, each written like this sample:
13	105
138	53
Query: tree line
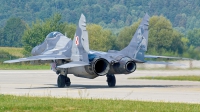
113	14
163	38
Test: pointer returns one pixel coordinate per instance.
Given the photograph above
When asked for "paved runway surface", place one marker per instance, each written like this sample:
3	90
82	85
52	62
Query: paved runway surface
43	83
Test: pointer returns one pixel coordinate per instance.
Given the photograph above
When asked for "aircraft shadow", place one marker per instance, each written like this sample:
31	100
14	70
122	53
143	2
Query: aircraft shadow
103	86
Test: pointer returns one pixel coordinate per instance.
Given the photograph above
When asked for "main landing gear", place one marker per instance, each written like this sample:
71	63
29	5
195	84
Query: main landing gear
111	80
62	81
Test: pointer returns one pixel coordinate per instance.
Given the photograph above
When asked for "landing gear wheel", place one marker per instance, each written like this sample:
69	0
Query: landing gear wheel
111	80
67	81
61	81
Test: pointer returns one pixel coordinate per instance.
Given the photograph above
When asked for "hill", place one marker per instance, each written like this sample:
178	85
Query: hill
112	14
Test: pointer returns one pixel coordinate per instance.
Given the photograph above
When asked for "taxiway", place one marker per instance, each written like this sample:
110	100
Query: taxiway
43	83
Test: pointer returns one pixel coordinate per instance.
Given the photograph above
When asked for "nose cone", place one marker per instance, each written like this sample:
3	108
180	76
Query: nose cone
38	50
34	51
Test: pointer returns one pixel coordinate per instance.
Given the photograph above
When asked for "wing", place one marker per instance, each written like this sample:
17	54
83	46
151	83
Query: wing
165	57
39	57
164	63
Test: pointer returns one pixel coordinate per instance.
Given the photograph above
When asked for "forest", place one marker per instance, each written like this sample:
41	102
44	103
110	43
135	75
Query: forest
174	24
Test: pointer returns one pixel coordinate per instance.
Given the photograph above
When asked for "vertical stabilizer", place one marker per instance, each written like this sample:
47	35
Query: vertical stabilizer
80	47
139	42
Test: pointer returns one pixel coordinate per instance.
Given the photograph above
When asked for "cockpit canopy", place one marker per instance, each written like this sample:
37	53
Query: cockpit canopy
53	35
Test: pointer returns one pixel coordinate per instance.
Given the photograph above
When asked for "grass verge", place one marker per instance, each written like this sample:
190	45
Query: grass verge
21	66
181	78
9	103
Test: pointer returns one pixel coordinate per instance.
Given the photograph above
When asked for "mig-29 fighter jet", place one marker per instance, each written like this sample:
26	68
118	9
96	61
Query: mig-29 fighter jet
75	57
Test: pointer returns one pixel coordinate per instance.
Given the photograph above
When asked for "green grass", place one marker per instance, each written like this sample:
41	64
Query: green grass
8	53
181	78
10	103
21	66
13	51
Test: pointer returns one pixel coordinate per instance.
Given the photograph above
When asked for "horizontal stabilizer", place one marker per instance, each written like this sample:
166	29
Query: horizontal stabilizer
73	64
138	61
165	57
40	57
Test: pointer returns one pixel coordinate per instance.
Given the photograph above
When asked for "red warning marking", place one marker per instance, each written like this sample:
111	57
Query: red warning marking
77	41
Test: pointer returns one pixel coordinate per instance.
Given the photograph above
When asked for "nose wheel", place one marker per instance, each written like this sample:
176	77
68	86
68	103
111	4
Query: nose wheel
111	80
63	81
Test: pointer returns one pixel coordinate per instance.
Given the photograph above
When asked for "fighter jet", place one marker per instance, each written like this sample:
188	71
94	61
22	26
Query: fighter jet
74	57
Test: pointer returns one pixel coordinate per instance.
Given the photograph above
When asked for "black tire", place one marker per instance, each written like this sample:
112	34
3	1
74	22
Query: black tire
111	80
67	81
61	81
